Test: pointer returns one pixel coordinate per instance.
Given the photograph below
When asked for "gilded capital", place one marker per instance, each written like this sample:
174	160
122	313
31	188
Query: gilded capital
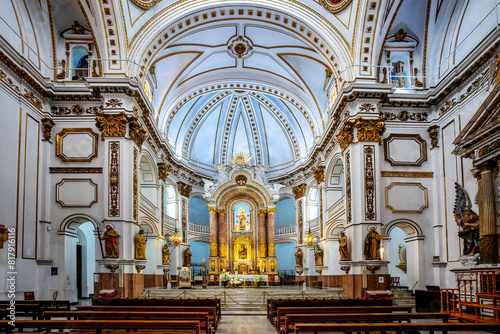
184	189
213	249
271	211
345	136
163	171
319	174
299	191
212	209
433	131
487	166
222	212
111	125
370	129
262	212
136	132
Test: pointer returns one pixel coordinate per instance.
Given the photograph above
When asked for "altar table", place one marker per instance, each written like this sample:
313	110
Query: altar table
248	278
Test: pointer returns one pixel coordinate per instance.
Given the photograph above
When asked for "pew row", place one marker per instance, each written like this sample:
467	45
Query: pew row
431	327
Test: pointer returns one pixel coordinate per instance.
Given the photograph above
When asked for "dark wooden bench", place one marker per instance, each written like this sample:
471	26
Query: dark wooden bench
190	326
45	305
396	327
283	311
292	319
202	317
212	310
22	310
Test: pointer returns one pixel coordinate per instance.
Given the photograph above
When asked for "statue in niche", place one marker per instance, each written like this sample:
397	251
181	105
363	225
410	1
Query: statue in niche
467	219
166	254
402	254
318	256
187	257
298	257
110	238
372	245
343	247
140	245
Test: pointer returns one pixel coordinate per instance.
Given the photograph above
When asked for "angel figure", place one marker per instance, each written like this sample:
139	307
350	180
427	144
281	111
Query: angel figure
467	219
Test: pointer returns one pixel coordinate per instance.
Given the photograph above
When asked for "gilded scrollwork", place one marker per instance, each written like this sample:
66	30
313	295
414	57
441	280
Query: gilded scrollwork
136	132
114	178
319	174
271	249
345	136
33	99
213	249
184	189
135	180
370	213
433	131
48	124
348	185
163	171
299	191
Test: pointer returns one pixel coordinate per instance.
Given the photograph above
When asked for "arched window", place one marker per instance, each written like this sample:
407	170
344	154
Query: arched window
79	62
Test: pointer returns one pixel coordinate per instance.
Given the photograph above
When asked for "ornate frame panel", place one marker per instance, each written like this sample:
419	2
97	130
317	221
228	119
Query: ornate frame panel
73	131
407	137
69	205
406	184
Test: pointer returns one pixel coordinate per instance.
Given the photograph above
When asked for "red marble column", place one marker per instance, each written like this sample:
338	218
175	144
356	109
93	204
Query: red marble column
271	247
262	234
222	233
213	231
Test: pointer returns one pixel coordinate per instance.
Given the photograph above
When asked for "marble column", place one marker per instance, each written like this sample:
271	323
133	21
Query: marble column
262	234
213	231
222	233
488	235
271	245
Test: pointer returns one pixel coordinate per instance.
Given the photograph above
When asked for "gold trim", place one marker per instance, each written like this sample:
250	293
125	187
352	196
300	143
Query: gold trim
75	170
61	202
419	140
114	179
60	142
407	174
390	186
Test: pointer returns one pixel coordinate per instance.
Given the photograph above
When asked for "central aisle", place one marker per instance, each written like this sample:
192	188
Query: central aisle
236	324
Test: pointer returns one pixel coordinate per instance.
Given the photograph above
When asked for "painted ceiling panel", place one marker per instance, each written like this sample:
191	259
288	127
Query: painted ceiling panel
204	142
280	151
210	36
267	38
240	142
266	63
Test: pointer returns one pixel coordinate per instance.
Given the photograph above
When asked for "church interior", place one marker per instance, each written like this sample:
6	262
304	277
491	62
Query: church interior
164	148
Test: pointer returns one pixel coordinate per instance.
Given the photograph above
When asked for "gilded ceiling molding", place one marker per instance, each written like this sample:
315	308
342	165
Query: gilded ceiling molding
145	4
335	6
299	191
426	33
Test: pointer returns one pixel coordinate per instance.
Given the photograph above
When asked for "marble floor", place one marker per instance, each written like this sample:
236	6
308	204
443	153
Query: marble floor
245	325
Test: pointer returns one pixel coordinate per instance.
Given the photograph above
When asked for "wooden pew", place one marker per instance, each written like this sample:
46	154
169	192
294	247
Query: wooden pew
393	327
45	305
292	319
282	311
212	310
191	326
22	310
202	317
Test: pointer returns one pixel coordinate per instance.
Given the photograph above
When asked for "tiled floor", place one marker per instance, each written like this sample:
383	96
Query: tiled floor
245	325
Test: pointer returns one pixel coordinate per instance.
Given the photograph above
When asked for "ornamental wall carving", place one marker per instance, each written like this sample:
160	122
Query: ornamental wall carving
370	213
319	174
114	178
300	221
135	182
348	186
345	136
299	191
184	189
163	171
112	125
136	132
48	124
369	129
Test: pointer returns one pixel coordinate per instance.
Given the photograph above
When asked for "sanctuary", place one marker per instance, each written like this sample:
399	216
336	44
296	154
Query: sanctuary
348	144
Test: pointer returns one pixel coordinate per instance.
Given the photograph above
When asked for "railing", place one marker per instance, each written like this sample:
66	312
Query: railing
198	228
335	208
283	230
169	221
148	205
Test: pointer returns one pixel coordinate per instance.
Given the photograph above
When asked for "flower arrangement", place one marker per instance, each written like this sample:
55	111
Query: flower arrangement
258	279
224	278
235	281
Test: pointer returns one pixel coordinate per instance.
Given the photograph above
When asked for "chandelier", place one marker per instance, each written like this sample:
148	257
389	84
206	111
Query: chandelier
175	238
309	240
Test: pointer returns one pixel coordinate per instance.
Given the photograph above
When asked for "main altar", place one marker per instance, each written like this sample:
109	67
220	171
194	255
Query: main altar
241	205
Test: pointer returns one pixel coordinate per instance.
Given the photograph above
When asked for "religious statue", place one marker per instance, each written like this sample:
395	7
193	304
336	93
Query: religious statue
242	217
467	219
298	257
77	28
166	254
187	257
242	252
402	254
111	242
140	245
318	256
4	235
372	245
343	249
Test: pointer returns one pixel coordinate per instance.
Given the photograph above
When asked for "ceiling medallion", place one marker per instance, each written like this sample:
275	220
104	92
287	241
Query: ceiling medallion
335	5
239	47
241	180
146	4
240	159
